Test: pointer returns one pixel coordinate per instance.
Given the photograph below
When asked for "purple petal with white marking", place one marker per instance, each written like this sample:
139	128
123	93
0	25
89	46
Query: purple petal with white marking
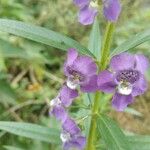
120	102
76	142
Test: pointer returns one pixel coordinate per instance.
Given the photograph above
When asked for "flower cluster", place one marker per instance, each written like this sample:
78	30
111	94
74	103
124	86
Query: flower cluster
125	79
88	10
80	72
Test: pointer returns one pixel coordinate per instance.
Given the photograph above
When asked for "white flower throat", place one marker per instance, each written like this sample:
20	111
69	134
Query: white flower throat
54	102
65	137
94	4
72	84
124	88
126	79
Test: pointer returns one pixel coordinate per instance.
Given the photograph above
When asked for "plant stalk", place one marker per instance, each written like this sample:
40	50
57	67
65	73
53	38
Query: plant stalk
91	142
106	45
92	131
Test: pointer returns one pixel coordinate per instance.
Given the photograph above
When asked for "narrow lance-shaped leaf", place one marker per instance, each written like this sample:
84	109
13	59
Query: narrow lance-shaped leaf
112	135
132	42
132	111
32	131
95	40
42	35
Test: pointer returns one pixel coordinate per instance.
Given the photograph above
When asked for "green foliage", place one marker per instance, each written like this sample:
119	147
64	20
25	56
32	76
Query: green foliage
41	35
95	40
111	133
132	42
139	142
32	131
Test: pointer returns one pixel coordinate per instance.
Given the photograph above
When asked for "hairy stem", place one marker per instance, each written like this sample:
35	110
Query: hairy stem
106	45
102	64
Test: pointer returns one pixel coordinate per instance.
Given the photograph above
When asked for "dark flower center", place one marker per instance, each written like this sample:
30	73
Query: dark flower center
130	76
76	75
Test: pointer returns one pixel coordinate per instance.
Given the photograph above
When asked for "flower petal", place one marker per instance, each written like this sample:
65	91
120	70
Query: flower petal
85	65
87	15
90	85
78	143
120	102
122	61
142	63
106	82
71	57
111	9
59	112
67	95
140	86
81	3
70	126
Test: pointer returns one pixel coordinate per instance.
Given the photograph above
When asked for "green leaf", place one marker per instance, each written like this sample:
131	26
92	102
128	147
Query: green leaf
113	137
32	131
7	147
10	51
7	94
139	142
133	111
132	42
95	40
42	35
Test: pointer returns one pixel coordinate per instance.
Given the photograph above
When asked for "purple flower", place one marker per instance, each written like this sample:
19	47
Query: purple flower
71	135
88	11
80	70
126	79
81	3
87	15
72	142
64	99
67	95
57	110
111	9
70	126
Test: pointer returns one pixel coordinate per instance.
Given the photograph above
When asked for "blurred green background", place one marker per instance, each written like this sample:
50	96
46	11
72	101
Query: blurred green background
31	73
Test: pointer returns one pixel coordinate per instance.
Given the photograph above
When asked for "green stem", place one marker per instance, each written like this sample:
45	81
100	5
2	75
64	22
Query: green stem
92	133
95	109
106	45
